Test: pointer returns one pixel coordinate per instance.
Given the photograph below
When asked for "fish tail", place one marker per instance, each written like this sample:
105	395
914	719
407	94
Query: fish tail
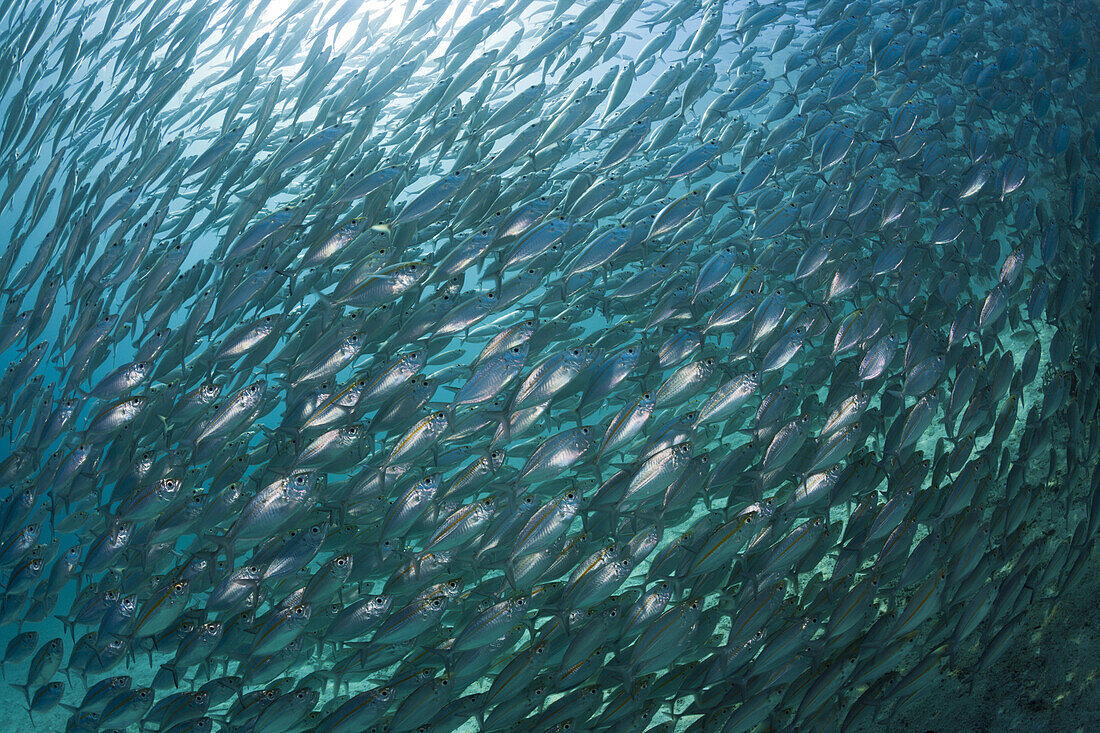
510	574
26	690
171	668
224	544
68	625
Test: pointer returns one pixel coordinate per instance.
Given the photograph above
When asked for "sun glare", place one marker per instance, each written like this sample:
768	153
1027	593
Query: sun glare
381	14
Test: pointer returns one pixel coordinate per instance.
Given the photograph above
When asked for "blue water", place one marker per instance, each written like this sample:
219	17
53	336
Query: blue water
1024	85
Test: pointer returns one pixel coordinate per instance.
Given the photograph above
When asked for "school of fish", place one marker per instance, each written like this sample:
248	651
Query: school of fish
595	365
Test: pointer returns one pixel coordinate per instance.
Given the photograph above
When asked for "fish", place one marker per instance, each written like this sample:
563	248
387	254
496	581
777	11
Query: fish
543	364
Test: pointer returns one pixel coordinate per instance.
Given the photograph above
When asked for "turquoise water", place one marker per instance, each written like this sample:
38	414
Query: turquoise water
880	217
